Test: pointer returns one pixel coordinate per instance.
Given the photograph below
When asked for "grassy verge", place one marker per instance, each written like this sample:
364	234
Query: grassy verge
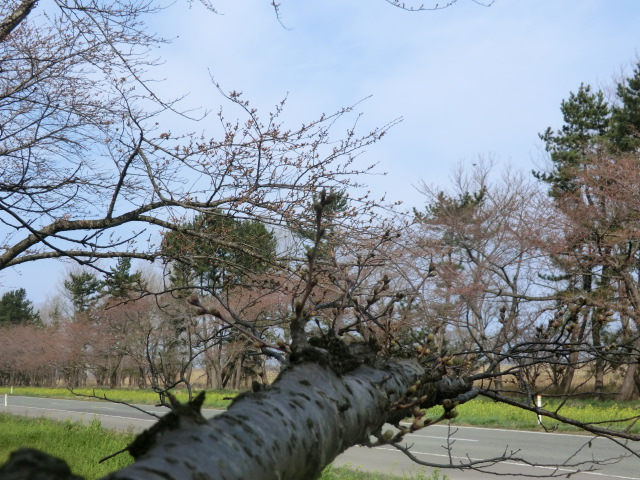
487	413
214	398
344	473
81	446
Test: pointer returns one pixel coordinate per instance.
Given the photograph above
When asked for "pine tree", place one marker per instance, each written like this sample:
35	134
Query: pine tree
84	289
573	148
120	283
592	139
586	124
625	118
208	265
16	309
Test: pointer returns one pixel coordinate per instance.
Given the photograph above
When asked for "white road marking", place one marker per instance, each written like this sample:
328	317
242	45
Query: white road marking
441	438
465	427
506	462
86	413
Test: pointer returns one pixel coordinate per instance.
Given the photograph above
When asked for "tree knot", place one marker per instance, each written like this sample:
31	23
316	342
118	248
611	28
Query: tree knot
342	357
171	421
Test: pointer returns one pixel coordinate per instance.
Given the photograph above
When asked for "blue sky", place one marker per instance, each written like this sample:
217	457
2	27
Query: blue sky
468	81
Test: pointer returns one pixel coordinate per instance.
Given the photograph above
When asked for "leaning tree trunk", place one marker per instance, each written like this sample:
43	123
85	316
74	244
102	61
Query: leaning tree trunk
596	338
290	430
629	389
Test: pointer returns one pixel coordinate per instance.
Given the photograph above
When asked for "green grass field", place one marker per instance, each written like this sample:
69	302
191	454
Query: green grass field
81	446
342	473
483	412
214	398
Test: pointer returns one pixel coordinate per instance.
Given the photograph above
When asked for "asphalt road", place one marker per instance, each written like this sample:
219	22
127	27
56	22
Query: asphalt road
429	445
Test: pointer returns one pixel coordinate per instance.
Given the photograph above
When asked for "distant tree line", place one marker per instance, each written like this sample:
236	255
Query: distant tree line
115	333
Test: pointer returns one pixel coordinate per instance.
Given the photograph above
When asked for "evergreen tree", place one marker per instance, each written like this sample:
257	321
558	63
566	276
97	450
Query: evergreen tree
241	247
446	204
573	148
120	283
592	138
625	118
253	236
84	289
16	309
586	123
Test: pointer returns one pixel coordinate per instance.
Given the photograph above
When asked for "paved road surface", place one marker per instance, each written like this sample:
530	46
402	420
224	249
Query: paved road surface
428	445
